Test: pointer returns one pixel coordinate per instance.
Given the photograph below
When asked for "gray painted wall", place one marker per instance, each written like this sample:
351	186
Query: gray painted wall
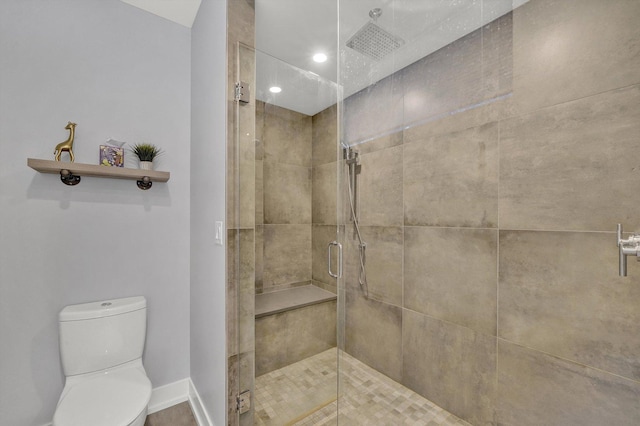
118	72
208	153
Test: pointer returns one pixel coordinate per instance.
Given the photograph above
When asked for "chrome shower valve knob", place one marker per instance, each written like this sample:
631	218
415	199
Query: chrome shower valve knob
628	247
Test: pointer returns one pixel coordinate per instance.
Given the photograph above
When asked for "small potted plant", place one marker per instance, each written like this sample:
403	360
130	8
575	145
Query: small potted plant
146	152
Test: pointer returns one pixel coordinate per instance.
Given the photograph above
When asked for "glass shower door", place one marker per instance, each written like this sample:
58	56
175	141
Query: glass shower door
294	190
418	189
449	113
241	238
489	151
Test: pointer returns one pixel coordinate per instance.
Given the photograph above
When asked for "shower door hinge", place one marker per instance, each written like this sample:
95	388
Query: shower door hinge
242	92
243	402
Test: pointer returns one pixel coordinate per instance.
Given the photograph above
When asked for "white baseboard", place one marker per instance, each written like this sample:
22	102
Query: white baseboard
202	418
169	395
174	393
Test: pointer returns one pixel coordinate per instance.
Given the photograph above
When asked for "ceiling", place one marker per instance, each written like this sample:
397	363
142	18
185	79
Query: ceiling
290	32
181	11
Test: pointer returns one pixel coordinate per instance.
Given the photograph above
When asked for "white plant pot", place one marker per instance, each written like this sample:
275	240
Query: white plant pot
146	165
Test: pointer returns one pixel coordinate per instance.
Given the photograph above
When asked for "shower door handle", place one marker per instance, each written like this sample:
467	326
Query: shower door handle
337	244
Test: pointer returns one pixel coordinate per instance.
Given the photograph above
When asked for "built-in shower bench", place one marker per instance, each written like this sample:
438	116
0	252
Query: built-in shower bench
292	325
291	298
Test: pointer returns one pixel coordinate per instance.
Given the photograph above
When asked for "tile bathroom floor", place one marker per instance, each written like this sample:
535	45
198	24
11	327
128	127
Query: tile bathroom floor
178	415
304	394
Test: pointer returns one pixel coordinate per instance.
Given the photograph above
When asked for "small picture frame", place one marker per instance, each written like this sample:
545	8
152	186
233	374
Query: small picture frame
112	156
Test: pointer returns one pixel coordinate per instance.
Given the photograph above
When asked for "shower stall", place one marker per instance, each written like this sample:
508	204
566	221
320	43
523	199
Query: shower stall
422	230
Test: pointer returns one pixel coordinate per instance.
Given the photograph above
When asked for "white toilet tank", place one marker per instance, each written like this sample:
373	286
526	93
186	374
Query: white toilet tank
100	335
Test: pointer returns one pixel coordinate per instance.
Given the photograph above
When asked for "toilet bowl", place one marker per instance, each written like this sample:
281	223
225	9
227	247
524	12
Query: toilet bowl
101	345
117	397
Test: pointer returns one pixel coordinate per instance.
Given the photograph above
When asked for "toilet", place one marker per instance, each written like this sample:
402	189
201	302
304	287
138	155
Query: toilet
101	346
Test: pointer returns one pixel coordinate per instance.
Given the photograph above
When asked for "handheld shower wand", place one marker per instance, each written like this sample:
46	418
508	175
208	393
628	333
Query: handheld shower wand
351	157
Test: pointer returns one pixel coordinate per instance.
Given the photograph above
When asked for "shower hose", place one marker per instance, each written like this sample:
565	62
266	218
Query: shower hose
362	274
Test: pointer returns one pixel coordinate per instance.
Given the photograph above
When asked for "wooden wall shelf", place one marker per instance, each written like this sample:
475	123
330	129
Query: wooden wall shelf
70	172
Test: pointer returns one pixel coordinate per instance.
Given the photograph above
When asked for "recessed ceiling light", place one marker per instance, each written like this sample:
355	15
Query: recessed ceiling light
275	89
320	57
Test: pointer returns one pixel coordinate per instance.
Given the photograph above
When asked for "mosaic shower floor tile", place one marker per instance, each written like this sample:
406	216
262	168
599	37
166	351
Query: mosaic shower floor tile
304	394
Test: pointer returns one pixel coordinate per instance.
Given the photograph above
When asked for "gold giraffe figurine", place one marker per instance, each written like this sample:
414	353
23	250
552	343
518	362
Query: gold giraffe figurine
68	144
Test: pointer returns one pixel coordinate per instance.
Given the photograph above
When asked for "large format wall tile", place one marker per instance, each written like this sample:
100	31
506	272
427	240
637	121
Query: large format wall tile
246	367
241	144
497	62
287	193
458	121
321	236
374	111
241	18
325	136
380	188
232	285
571	167
313	331
294	335
467	73
450	274
259	200
452	180
233	384
565	50
450	365
537	389
271	342
286	136
383	262
470	71
241	289
259	130
369	326
383	142
287	255
242	15
560	293
259	258
241	189
323	194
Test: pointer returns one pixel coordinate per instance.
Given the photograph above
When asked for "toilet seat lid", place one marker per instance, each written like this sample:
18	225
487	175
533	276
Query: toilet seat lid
110	399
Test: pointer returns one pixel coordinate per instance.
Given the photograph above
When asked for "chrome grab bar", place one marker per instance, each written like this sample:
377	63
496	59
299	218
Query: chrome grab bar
339	274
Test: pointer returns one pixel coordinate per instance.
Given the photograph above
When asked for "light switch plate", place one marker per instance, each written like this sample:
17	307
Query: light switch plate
219	231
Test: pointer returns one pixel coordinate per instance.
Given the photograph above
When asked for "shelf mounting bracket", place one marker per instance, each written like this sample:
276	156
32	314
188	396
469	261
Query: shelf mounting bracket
145	183
69	178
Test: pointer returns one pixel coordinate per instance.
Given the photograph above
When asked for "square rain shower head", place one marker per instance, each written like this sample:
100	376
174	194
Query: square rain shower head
373	41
